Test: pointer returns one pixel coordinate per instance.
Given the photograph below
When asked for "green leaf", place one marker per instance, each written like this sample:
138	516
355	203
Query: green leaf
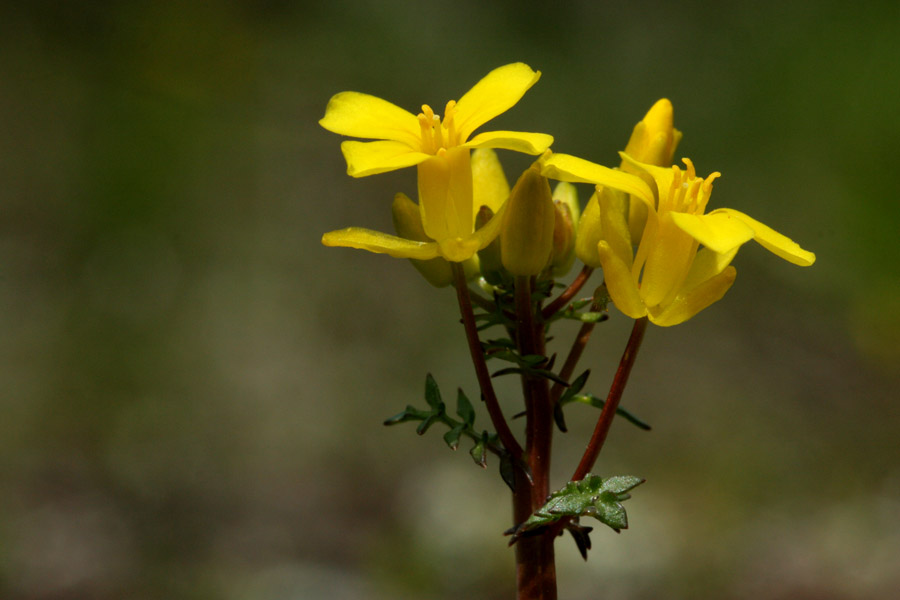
433	394
479	451
575	387
452	436
529	360
508	470
591	497
464	408
410	414
533	372
430	420
596	402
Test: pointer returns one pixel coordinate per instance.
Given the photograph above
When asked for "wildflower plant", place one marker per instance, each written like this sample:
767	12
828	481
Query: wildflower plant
663	257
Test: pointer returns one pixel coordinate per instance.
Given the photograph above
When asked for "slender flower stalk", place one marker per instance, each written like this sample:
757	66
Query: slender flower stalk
481	371
604	421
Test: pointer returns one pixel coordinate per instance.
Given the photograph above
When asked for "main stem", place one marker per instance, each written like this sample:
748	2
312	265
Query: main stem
535	564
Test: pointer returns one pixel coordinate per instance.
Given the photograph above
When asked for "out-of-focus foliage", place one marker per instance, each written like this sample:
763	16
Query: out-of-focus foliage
193	386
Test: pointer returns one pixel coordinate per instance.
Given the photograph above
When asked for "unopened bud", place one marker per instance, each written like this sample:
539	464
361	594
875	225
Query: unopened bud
567	193
563	240
653	142
526	239
654	139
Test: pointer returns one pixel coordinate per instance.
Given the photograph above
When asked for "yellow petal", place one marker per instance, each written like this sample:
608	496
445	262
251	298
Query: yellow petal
365	116
620	284
771	240
496	93
369	158
566	167
686	306
707	264
588	233
491	229
445	195
380	243
517	141
489	185
613	226
719	230
668	263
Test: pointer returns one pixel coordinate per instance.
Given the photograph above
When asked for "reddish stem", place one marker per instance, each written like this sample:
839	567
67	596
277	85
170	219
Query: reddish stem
568	293
481	371
612	400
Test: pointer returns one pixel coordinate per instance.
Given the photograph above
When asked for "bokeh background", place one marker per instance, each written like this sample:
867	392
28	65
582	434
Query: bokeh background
193	387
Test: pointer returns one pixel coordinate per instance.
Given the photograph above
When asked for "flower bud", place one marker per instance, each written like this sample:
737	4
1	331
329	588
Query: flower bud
653	142
654	139
526	239
567	193
563	240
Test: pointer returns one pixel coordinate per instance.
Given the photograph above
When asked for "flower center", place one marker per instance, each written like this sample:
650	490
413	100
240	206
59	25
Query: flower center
688	193
438	135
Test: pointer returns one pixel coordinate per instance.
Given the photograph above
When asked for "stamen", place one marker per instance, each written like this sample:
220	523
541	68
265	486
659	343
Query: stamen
450	123
691	171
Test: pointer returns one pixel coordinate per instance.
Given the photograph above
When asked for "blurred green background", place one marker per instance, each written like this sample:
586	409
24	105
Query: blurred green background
193	386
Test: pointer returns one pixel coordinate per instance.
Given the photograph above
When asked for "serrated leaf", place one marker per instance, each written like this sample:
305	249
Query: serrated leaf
430	420
464	408
452	436
410	414
479	453
433	394
591	497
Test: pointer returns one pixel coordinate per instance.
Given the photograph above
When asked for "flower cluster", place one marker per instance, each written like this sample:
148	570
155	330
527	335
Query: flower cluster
663	255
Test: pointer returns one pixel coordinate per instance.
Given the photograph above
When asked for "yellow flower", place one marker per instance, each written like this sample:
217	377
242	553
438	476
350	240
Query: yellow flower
653	141
440	149
669	278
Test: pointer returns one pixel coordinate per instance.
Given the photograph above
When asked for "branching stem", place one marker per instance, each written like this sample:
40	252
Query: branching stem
568	293
481	371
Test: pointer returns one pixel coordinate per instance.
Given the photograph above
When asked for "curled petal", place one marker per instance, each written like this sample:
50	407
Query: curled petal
689	304
566	167
370	158
496	93
518	141
719	231
771	240
365	116
380	243
490	187
620	284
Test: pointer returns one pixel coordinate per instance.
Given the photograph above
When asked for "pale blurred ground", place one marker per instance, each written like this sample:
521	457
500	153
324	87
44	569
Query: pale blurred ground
193	386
